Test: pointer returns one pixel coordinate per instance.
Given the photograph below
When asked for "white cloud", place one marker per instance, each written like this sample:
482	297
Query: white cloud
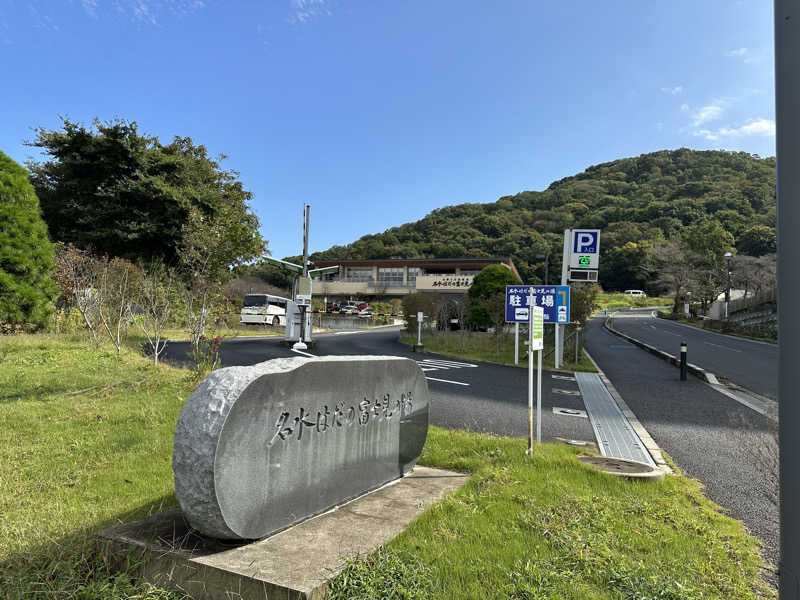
737	52
306	10
684	106
90	6
147	11
707	113
674	91
753	127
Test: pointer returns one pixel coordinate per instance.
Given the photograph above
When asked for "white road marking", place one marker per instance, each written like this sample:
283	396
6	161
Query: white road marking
567	392
447	381
446	363
303	353
723	347
570	412
564	377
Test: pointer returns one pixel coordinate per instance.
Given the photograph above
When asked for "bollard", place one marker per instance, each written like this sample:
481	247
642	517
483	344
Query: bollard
683	361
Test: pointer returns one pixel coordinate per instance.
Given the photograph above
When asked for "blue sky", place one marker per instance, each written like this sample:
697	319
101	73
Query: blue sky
377	112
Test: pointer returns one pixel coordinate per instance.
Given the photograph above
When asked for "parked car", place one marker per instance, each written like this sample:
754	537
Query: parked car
366	313
348	308
638	293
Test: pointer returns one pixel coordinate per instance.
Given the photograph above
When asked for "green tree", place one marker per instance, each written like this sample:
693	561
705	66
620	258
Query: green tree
757	241
26	254
487	296
125	194
623	268
709	240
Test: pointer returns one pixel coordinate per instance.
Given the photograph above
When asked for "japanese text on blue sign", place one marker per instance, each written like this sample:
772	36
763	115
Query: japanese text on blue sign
554	299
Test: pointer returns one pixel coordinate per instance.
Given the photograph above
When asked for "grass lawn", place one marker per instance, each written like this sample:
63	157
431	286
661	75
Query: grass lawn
476	345
78	454
608	301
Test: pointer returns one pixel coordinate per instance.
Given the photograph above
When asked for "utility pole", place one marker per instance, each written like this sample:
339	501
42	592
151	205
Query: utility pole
787	145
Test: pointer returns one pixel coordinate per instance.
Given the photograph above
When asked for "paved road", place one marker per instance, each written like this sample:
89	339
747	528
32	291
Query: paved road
710	436
474	396
748	363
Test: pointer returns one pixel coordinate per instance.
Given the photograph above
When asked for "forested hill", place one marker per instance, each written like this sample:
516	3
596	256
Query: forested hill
636	202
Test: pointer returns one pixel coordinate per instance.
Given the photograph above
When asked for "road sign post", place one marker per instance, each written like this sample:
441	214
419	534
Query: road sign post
535	316
530	375
516	343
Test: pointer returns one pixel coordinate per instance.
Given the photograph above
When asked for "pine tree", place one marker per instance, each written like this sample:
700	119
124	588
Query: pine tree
26	254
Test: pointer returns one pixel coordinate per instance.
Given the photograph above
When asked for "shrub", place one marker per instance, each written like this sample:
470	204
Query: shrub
26	254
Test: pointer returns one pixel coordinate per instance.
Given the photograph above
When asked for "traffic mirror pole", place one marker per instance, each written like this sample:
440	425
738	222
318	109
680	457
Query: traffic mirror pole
787	146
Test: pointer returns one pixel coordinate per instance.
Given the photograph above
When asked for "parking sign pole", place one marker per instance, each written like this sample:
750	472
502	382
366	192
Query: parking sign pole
530	371
539	397
566	257
516	343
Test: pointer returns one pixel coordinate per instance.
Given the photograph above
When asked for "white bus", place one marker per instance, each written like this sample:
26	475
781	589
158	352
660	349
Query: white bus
263	309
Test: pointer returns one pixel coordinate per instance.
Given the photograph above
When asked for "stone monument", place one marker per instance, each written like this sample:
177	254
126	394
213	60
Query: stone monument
261	448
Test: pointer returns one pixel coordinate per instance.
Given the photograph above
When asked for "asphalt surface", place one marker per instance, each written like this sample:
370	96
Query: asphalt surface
710	436
470	395
748	363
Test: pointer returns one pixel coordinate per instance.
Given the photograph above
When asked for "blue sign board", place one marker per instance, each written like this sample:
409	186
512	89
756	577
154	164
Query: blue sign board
585	242
554	299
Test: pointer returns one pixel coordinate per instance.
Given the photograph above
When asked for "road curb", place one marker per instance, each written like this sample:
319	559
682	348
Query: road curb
706	376
652	447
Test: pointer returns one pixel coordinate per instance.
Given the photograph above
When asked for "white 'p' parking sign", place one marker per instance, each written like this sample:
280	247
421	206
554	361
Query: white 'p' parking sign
585	246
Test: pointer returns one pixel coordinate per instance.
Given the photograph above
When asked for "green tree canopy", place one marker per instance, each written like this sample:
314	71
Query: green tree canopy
757	241
26	254
487	296
644	200
125	194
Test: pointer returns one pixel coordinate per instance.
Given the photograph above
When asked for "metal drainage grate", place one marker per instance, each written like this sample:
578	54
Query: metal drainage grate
614	434
570	412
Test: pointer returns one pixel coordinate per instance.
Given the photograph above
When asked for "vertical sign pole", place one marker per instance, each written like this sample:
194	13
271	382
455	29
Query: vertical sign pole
787	145
516	343
420	316
539	394
566	257
530	371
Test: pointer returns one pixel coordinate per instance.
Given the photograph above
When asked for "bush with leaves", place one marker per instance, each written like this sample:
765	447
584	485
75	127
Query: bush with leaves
26	254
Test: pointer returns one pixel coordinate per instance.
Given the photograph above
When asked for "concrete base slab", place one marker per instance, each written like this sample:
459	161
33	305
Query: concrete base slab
296	563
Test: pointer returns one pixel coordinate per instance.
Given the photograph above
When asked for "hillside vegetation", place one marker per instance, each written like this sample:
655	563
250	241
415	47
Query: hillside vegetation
637	202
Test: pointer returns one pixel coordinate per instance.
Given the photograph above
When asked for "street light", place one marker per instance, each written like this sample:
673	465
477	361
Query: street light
728	255
546	258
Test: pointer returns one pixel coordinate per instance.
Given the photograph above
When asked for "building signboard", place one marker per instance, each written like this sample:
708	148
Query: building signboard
444	282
